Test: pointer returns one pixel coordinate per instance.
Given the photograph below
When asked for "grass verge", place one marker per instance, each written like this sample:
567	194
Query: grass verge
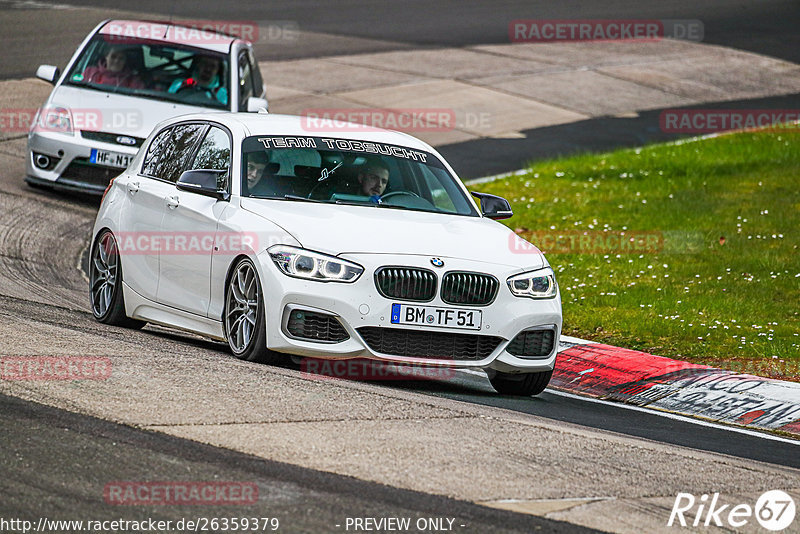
712	275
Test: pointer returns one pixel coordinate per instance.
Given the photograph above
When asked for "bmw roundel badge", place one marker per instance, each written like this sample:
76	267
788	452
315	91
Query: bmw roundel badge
437	262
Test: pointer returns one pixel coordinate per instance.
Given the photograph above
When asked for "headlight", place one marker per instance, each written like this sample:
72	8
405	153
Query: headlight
309	265
539	284
55	120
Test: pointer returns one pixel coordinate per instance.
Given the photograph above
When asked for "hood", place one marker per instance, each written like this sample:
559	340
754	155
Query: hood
342	229
116	113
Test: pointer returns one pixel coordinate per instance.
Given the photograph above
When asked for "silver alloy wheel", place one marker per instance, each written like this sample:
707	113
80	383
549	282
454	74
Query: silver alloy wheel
104	266
241	307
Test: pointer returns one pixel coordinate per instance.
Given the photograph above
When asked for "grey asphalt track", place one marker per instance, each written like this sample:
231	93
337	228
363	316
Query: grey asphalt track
764	26
643	424
485	157
66	482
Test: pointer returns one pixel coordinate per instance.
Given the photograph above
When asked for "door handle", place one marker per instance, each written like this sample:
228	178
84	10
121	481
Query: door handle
133	187
172	202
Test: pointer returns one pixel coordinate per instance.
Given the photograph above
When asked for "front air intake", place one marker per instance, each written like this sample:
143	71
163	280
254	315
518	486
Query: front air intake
429	344
532	344
315	326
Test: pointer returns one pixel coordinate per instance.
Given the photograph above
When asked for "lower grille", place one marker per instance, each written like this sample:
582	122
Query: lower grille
106	137
315	327
427	344
81	170
532	344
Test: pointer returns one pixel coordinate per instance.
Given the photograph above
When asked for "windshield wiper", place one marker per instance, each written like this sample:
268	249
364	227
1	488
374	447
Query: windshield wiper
396	207
296	197
102	87
353	202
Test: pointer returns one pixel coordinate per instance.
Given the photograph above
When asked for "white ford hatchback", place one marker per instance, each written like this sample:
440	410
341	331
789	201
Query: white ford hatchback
286	240
125	77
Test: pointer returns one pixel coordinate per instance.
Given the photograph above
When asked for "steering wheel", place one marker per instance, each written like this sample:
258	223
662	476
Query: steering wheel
319	186
194	87
395	193
194	94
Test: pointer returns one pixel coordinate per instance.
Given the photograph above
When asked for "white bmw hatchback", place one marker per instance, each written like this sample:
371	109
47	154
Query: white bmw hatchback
285	240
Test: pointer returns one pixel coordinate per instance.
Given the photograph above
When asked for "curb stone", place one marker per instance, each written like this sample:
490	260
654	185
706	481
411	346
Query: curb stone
642	379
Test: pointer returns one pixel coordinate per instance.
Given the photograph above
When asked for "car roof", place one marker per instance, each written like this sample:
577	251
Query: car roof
293	125
298	126
198	35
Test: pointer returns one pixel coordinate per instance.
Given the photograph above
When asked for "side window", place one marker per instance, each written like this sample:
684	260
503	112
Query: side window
215	153
156	152
245	81
170	151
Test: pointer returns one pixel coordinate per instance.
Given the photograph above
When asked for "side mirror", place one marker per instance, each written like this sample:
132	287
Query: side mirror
48	73
257	105
494	207
203	182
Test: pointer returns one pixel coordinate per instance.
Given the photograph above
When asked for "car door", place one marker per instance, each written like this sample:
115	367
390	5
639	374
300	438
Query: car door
140	216
191	218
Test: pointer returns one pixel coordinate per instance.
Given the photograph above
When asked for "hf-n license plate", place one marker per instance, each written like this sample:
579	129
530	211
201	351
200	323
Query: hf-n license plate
433	316
110	159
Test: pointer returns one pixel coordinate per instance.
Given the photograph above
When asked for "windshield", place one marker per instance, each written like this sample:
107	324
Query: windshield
152	70
343	171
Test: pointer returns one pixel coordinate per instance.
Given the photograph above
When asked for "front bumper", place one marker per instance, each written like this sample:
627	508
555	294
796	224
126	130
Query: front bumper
359	305
70	167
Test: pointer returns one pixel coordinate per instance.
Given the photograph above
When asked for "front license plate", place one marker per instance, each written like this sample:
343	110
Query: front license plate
440	317
110	159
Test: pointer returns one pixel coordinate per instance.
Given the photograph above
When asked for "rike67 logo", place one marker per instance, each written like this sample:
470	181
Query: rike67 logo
774	510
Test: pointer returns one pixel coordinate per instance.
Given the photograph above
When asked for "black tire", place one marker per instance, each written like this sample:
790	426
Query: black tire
250	347
105	283
525	385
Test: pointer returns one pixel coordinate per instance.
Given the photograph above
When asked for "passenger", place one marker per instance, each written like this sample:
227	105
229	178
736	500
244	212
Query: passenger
205	78
256	165
113	69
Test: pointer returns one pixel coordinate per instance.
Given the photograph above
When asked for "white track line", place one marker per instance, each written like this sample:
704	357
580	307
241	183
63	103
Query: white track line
659	413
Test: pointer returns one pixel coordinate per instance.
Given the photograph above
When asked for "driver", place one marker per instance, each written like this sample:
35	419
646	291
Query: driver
373	178
205	78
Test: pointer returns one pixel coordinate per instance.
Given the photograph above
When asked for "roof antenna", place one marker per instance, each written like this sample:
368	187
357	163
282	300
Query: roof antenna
171	14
